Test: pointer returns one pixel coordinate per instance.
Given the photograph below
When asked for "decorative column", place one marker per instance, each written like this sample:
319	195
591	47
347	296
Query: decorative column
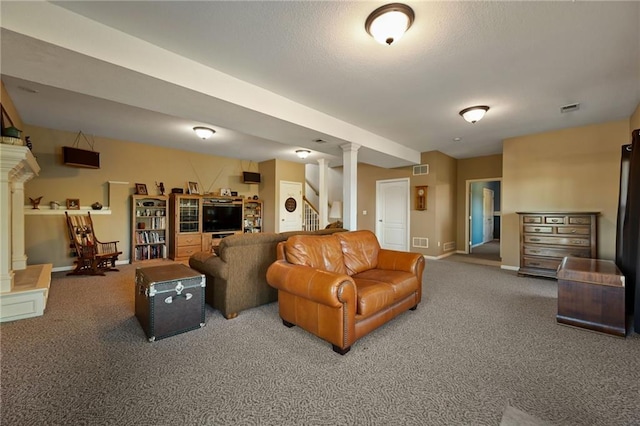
17	164
323	198
350	185
19	257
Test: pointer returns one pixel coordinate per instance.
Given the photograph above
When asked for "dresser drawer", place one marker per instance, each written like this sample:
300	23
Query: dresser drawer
573	230
554	219
559	241
580	220
539	229
189	240
539	262
187	251
532	219
557	252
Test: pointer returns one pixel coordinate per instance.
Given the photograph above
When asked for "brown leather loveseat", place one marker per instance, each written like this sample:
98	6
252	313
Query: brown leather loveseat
342	286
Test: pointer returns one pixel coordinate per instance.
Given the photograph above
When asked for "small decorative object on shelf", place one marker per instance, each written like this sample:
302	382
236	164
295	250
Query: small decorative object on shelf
160	187
54	205
28	142
96	206
225	192
193	188
35	202
73	204
141	189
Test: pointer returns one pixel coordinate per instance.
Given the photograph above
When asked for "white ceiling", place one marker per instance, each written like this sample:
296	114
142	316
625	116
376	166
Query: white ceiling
272	77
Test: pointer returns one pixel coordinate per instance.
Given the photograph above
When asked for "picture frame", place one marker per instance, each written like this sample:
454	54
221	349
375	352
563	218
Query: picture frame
225	192
234	193
141	189
193	188
73	204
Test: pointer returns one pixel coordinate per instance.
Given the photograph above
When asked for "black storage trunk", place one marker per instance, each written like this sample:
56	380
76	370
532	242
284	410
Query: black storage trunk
169	300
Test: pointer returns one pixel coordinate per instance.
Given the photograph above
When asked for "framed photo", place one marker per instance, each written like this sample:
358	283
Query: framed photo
234	193
225	192
193	188
141	189
73	204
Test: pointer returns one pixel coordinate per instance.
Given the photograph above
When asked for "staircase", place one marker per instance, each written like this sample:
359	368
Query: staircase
311	220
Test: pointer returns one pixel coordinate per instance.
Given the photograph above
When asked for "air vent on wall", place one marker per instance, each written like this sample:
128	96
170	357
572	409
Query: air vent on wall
569	108
422	169
451	245
421	242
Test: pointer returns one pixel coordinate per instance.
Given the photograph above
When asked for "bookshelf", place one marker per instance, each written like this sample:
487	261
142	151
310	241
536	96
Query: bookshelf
148	227
253	216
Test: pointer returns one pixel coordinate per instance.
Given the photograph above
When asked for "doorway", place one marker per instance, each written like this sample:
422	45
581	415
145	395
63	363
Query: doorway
392	214
484	227
290	207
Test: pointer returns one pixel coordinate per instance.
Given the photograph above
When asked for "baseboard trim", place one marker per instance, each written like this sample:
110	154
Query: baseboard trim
71	268
442	256
510	268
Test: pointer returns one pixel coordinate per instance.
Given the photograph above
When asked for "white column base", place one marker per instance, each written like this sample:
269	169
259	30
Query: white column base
6	282
19	263
28	298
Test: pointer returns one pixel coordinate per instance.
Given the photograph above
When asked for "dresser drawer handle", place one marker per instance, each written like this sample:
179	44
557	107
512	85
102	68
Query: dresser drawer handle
534	264
577	241
573	231
536	229
555	220
535	239
534	251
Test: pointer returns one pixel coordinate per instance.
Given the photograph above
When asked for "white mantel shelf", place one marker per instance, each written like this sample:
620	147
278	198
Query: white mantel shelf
30	211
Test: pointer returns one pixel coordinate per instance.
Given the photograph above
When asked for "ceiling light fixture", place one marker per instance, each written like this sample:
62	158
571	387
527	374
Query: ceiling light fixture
303	153
388	23
203	132
474	113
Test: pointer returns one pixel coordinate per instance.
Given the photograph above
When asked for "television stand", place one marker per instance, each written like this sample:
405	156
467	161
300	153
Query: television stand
212	239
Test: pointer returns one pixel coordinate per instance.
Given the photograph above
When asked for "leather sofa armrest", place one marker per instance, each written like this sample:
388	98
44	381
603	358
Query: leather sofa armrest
393	260
327	288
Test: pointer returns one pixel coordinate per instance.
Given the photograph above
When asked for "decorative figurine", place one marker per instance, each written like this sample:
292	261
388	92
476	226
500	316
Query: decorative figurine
96	206
160	187
28	143
35	202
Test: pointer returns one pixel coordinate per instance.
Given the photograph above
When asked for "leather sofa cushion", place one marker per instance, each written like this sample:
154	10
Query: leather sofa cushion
379	289
320	252
360	250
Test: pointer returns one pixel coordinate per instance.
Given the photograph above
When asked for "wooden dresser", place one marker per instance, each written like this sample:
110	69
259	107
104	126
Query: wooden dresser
547	237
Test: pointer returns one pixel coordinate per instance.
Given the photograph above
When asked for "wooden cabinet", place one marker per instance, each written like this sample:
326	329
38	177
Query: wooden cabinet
148	227
186	230
253	216
547	237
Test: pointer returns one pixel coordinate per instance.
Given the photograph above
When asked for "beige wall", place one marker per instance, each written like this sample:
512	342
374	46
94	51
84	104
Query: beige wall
469	169
574	169
122	163
437	222
273	172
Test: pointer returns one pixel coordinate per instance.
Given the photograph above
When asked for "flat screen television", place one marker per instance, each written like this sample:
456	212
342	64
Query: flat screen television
221	217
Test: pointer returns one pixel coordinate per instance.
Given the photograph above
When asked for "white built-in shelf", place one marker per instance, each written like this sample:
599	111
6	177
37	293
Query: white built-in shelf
29	210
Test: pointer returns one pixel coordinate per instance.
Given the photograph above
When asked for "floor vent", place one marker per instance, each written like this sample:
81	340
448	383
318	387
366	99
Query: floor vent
422	169
451	245
569	108
421	242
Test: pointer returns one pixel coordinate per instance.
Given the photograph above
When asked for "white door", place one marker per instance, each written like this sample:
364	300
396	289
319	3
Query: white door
290	210
392	214
487	215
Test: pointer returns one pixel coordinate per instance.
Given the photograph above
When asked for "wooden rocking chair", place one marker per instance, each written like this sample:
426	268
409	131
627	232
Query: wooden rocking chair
94	256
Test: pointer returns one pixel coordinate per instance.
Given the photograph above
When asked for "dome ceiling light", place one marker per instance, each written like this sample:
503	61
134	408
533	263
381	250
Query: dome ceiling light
388	23
303	153
203	132
474	113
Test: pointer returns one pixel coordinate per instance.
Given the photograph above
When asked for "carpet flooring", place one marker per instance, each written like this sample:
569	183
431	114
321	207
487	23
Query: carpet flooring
482	340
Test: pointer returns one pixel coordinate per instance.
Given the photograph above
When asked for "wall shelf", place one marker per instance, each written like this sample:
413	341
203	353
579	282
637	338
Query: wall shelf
44	211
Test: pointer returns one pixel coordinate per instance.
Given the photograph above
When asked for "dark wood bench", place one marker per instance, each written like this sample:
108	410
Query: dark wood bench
591	295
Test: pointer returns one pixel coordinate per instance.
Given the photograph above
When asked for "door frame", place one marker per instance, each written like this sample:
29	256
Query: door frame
467	212
487	192
407	182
